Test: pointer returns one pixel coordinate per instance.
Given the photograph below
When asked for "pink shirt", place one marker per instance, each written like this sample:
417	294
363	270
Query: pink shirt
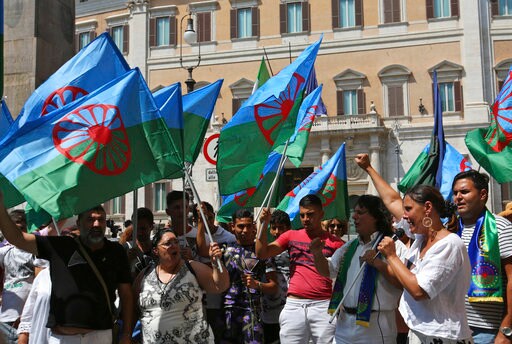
305	281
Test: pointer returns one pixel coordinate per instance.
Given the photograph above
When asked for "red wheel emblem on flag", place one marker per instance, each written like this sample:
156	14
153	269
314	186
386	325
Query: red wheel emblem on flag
243	197
307	124
501	135
61	97
95	136
329	192
269	116
464	165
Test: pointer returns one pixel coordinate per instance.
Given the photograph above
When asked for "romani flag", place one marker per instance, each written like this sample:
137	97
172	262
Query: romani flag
329	183
96	64
103	145
426	169
198	108
253	196
264	121
491	147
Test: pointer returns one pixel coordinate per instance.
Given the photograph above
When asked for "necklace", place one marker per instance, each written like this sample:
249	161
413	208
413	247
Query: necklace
161	284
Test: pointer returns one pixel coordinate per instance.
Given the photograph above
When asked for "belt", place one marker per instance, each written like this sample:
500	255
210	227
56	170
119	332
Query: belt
350	310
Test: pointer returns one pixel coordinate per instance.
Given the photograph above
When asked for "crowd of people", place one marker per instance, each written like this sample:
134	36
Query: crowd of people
447	280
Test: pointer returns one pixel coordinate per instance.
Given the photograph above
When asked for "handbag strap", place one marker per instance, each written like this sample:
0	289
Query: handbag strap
95	270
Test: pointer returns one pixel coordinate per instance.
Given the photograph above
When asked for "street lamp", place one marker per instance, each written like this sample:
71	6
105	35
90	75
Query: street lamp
190	37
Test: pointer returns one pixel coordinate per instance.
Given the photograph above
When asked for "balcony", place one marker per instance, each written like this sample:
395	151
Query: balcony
347	122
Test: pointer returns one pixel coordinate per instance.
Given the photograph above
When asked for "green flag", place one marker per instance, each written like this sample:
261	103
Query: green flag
263	75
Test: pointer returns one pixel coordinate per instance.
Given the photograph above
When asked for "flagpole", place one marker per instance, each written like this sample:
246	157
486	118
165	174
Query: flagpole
272	189
268	61
135	219
203	216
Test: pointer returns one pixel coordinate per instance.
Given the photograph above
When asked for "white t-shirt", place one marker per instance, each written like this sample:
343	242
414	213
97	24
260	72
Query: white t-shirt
490	314
444	274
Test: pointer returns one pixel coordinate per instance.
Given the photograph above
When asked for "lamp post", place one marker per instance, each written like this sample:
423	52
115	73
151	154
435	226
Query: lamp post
190	37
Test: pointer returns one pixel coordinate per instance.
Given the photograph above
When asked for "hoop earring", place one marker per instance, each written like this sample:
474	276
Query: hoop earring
427	222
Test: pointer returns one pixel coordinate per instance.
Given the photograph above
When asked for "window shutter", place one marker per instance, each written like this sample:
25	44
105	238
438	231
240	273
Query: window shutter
173	30
361	102
92	35
152	32
495	10
282	18
396	11
236	105
358	5
255	22
454	7
335	5
339	103
208	27
123	204
457	90
430	9
500	85
148	196
388	11
391	101
305	16
399	101
126	38
233	27
77	42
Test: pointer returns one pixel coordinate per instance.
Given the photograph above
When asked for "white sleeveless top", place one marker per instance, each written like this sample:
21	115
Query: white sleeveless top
173	312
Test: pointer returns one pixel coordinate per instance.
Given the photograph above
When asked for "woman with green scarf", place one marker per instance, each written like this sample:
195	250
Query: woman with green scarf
367	314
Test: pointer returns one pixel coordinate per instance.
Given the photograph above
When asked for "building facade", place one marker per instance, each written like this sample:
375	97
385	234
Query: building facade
375	62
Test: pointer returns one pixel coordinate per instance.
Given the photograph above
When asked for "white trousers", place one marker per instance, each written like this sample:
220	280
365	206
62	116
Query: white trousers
304	319
94	337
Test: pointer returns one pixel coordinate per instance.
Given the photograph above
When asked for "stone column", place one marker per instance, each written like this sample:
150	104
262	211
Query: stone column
325	149
138	23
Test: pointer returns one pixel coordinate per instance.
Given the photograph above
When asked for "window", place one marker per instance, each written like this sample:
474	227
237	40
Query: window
84	38
244	22
395	82
351	102
162	31
442	8
501	8
347	13
449	75
395	100
115	206
392	11
120	37
350	96
241	90
160	193
204	26
294	17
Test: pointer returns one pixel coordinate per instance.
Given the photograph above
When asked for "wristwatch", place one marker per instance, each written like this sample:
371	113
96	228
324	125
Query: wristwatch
506	331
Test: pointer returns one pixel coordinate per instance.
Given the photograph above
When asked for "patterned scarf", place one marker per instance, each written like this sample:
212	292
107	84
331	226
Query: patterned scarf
366	291
484	255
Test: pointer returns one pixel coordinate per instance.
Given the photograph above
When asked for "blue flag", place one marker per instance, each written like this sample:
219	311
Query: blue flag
197	111
95	65
103	145
5	119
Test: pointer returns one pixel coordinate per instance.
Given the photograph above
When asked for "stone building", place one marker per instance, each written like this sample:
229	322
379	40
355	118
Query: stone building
375	62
